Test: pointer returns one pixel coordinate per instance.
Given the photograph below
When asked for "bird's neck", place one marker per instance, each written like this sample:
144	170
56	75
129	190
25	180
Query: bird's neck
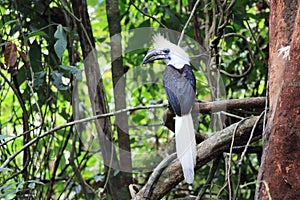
177	64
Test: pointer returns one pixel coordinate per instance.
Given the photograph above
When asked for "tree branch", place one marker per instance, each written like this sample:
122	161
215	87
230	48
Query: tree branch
206	151
119	85
217	106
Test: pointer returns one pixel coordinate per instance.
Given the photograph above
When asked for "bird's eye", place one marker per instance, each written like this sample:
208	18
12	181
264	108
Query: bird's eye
166	50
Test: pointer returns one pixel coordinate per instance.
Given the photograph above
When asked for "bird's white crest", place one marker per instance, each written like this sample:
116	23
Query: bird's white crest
160	42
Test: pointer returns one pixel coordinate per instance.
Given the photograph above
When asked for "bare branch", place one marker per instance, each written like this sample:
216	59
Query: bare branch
206	151
187	22
216	106
147	15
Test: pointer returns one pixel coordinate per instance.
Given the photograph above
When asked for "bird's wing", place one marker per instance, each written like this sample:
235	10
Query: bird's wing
180	89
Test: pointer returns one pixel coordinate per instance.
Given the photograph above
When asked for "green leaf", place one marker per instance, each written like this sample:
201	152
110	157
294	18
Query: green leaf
59	33
74	70
35	56
5	169
31	185
7	186
14	30
71	33
2	137
98	178
57	80
173	18
116	172
59	47
38	79
61	44
23	74
67	97
10	22
36	33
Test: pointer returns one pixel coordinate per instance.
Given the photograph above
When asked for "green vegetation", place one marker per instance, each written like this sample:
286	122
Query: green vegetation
43	86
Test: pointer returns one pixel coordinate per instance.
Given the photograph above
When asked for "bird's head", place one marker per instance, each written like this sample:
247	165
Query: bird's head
167	51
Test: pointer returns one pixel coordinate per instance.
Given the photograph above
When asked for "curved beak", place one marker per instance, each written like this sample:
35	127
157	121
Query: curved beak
155	54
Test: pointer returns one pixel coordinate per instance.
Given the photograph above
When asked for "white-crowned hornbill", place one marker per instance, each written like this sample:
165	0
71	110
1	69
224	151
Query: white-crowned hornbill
180	85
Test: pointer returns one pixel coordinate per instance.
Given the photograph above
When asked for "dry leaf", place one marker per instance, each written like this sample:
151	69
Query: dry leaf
10	54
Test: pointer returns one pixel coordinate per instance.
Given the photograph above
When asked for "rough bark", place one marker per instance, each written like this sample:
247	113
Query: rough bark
280	169
206	151
118	70
97	95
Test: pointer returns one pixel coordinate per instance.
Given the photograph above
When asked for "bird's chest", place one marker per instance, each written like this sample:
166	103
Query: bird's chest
174	77
180	90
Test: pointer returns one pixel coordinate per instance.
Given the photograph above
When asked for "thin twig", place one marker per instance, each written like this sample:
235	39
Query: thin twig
221	190
260	173
86	189
244	152
230	154
210	177
232	115
257	183
188	21
147	15
207	26
250	138
250	56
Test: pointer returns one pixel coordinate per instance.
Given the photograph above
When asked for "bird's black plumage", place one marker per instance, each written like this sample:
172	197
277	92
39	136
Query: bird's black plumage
180	87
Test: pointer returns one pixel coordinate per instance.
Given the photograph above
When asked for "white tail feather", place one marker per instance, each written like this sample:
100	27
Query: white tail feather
186	145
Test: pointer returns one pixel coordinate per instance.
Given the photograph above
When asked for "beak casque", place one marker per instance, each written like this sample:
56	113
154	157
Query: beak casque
154	54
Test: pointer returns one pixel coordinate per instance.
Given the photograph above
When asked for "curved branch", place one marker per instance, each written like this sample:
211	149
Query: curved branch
206	151
250	55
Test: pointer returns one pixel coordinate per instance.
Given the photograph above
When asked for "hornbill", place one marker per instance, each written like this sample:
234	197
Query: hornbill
180	85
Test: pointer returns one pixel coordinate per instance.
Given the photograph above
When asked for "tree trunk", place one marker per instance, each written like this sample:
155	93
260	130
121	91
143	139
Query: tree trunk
118	71
97	95
280	169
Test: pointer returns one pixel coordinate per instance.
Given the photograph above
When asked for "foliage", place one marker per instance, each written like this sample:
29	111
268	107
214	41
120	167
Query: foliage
41	65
